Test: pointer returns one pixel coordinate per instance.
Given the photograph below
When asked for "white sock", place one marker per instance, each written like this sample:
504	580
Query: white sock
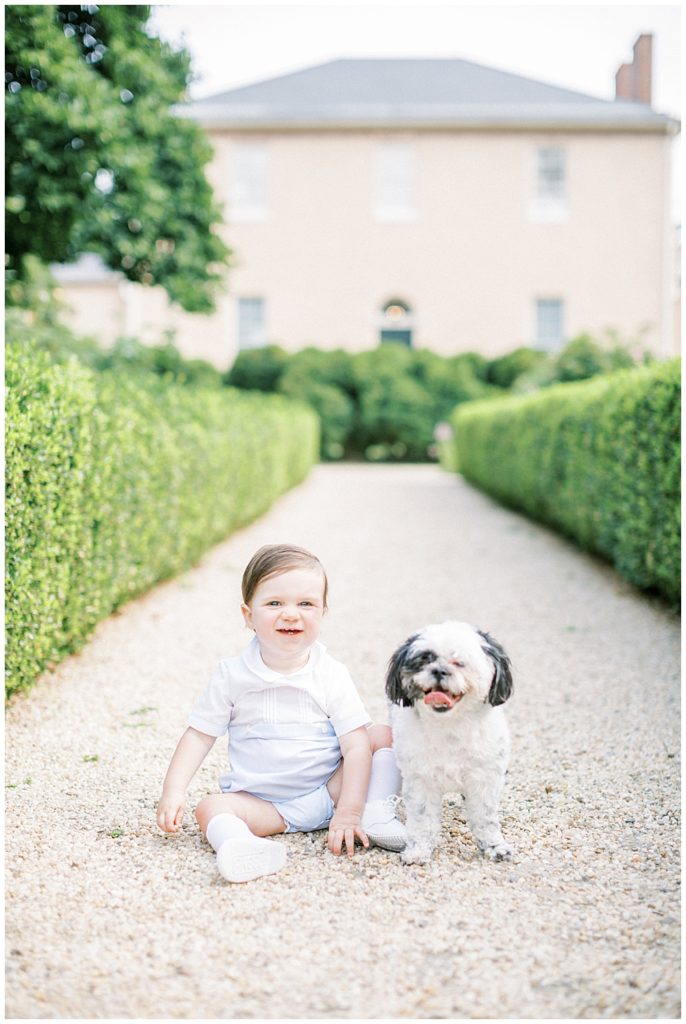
385	779
241	855
223	827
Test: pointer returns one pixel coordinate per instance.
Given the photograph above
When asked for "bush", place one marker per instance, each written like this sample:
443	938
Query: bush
395	420
324	380
580	359
42	331
450	381
334	408
583	357
599	460
403	394
114	483
334	367
386	403
258	369
503	371
163	360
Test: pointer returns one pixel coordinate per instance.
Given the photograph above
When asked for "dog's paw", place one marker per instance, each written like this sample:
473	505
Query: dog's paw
415	855
498	851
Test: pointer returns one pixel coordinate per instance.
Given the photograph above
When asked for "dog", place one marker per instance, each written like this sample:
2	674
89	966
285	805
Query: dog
446	685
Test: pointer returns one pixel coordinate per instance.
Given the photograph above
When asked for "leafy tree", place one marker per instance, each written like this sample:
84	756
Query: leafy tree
96	159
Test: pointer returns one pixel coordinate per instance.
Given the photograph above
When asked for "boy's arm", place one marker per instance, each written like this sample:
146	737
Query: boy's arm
191	751
357	766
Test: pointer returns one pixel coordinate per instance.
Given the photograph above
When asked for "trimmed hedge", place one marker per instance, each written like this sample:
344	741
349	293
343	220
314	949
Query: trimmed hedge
380	404
598	460
114	484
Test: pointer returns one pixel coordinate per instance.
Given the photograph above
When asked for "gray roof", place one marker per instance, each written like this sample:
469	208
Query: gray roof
418	93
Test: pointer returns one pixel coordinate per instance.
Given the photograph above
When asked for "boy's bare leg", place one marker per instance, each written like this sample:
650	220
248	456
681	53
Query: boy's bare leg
235	825
261	817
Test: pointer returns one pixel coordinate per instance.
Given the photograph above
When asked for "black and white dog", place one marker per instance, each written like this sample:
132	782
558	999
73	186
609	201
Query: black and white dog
446	685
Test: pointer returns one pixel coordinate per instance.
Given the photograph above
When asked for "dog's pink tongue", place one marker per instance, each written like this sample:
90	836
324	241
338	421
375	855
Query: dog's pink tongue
438	698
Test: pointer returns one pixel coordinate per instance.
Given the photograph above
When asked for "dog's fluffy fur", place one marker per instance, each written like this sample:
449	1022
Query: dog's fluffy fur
446	685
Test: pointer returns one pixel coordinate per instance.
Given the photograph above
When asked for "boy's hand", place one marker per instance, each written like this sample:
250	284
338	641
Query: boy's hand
343	828
170	811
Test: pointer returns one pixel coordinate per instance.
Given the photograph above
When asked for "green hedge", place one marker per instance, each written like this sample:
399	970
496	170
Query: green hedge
381	404
115	483
598	460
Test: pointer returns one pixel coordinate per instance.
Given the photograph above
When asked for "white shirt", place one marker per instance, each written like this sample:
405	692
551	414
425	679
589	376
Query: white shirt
282	729
244	691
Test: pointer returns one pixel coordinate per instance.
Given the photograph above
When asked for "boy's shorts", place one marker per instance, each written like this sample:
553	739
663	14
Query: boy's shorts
307	813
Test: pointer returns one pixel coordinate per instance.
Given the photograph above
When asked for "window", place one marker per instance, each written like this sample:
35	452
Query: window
550	173
550	186
549	323
395	181
249	184
251	323
396	323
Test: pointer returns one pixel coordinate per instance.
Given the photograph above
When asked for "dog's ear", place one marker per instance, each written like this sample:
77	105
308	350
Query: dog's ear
395	691
501	684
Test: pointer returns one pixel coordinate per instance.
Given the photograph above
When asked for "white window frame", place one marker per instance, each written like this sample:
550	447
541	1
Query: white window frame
549	194
395	181
249	199
546	339
251	335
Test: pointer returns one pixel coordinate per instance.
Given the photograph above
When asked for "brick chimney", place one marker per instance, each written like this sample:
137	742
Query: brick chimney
634	81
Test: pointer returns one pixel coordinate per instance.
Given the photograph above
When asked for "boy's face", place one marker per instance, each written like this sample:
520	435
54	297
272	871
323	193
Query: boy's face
286	613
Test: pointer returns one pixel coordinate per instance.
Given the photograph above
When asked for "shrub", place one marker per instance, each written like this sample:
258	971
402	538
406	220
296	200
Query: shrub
403	395
324	380
334	408
450	381
583	357
504	370
329	366
26	327
164	360
394	413
599	460
258	369
395	420
114	483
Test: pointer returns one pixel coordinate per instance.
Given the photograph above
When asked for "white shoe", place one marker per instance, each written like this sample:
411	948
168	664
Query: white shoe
382	826
243	858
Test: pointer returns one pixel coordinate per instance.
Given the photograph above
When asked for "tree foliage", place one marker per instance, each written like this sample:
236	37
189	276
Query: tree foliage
96	160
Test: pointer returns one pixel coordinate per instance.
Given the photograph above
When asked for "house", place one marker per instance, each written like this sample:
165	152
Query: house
437	203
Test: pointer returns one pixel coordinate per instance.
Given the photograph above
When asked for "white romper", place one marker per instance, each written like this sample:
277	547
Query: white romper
283	729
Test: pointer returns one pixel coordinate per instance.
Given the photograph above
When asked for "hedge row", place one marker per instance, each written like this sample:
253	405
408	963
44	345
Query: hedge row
113	485
598	460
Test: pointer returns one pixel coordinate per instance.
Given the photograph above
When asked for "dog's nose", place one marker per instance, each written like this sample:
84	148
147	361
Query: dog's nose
439	674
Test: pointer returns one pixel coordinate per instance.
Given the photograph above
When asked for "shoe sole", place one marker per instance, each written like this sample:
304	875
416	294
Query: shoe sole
393	843
242	860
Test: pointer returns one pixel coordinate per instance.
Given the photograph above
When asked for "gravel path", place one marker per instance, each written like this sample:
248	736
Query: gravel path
107	917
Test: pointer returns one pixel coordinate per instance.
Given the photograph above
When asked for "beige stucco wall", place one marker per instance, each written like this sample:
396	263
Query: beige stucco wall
94	309
471	263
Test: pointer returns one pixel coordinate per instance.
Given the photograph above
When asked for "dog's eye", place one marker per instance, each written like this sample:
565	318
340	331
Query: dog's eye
457	663
420	660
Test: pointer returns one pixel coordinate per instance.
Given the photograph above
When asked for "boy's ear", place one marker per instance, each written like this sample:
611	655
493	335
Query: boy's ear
247	616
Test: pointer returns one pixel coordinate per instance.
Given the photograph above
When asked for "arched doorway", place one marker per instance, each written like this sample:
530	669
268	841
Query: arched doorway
396	323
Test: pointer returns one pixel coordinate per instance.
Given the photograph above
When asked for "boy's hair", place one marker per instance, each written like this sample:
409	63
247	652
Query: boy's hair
273	559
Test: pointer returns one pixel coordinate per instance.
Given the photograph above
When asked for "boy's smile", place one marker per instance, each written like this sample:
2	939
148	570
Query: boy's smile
286	612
